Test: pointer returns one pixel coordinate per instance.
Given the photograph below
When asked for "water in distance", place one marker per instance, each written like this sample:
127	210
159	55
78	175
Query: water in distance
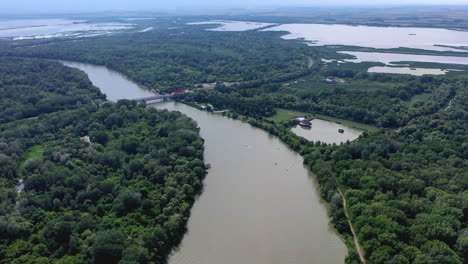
47	28
222	25
407	70
376	37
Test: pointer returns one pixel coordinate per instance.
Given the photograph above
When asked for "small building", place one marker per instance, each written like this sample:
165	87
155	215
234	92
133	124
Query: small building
333	79
207	107
304	122
181	91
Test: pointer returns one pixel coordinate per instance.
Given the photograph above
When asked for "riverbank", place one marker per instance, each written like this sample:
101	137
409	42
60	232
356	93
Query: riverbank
247	196
286	114
284	133
356	251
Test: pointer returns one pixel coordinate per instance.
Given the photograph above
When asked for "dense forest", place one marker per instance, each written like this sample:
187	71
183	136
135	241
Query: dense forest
405	187
31	87
90	183
390	107
125	195
257	65
406	191
182	56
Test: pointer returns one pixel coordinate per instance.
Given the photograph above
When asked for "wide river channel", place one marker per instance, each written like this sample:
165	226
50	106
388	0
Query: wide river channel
260	204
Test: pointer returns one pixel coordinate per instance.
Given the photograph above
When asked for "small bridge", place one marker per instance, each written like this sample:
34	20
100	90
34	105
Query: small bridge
153	98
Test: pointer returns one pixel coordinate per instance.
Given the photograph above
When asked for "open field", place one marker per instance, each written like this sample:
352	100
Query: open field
347	123
315	83
420	98
32	153
285	114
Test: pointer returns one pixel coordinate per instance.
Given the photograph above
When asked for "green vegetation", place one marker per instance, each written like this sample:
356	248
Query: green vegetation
31	87
34	152
282	115
110	183
406	191
348	123
420	98
285	115
127	195
124	197
173	59
318	83
385	105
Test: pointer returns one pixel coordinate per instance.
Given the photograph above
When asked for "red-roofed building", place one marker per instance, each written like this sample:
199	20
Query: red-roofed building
181	91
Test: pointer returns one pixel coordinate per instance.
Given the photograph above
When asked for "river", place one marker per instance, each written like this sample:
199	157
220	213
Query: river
114	84
260	204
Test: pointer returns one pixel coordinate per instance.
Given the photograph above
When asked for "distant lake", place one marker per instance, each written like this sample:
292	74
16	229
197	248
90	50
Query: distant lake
375	37
232	25
370	37
390	58
407	70
146	29
48	28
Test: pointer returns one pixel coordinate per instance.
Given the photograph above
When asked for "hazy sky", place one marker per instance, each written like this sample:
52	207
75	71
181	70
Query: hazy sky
40	6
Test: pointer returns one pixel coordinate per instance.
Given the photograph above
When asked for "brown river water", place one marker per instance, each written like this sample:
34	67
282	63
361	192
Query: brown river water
260	204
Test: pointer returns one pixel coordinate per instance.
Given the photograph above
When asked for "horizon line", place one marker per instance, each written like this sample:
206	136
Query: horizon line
223	8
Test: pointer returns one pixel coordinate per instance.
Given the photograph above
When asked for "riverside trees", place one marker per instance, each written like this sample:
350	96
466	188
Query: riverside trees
123	196
31	87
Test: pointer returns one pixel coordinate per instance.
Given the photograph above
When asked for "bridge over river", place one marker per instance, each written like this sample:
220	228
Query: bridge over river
156	97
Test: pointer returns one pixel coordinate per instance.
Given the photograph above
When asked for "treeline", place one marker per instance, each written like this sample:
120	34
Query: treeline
123	195
249	106
406	191
86	184
31	87
390	108
183	56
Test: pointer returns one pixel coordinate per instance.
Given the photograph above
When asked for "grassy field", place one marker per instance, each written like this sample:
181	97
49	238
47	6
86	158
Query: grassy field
313	83
32	153
348	123
284	114
420	98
